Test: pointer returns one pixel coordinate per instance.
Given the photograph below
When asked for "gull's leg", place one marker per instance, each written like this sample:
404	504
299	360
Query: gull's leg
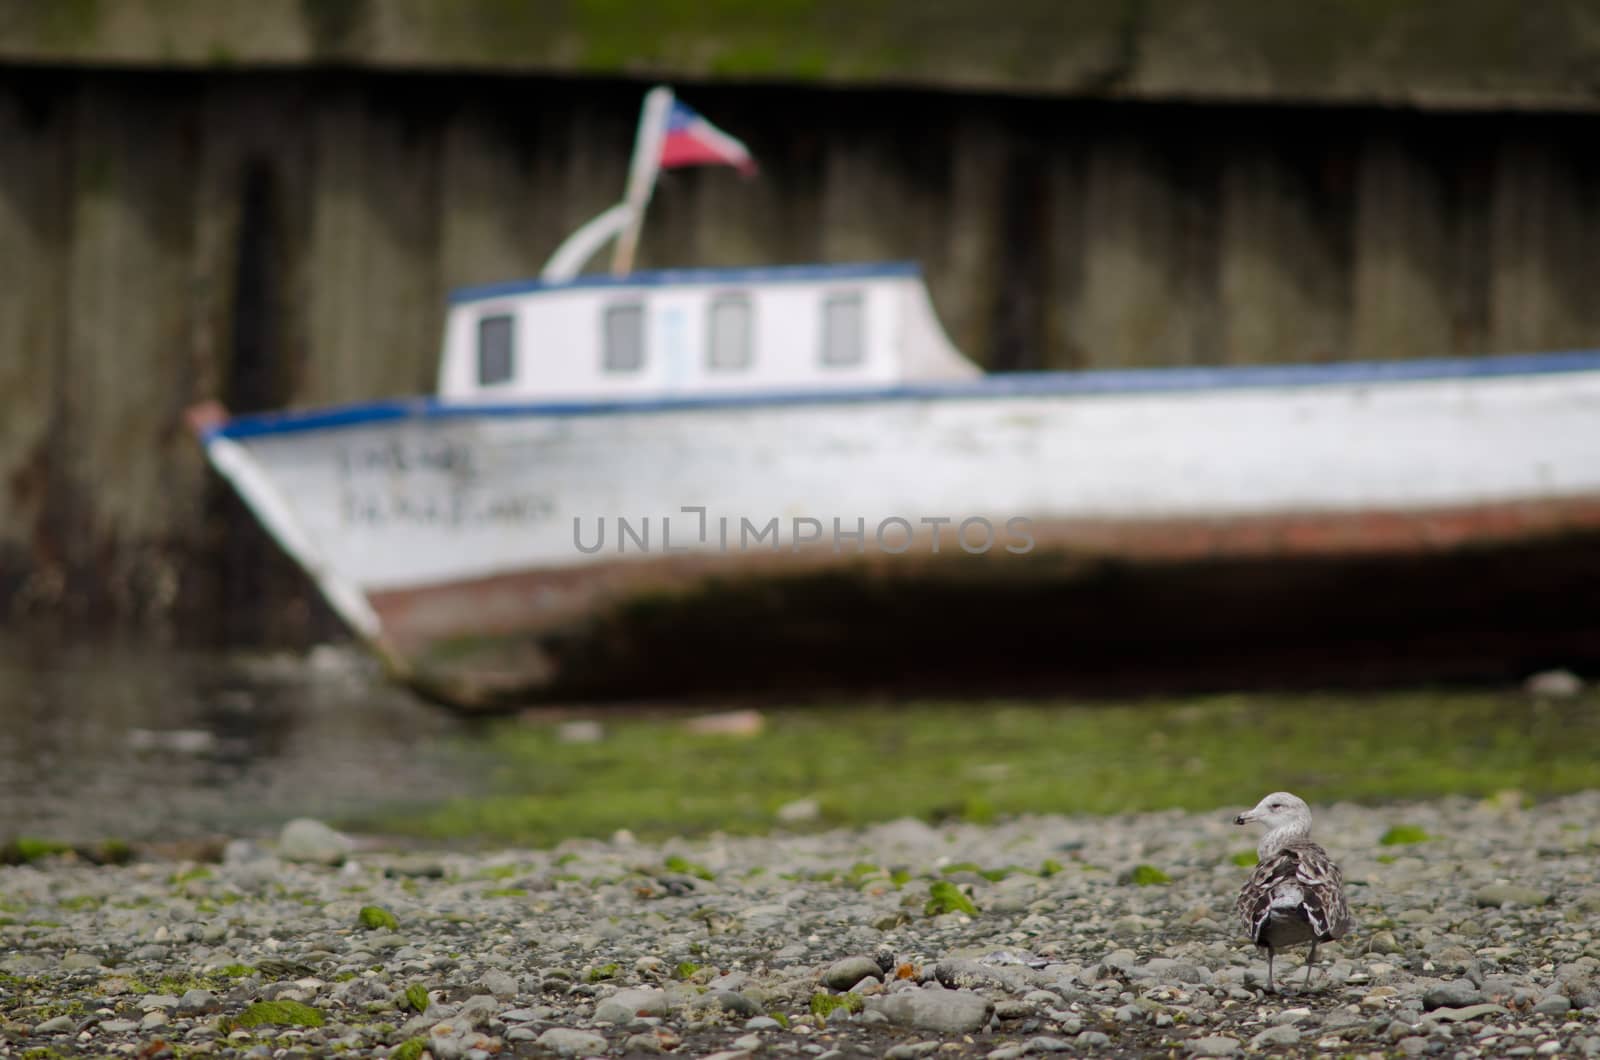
1270	989
1310	960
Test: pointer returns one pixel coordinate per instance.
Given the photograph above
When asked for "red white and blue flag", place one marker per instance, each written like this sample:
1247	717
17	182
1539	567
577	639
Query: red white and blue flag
690	140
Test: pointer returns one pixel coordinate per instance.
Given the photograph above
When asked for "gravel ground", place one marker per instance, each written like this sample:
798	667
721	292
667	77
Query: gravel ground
1481	941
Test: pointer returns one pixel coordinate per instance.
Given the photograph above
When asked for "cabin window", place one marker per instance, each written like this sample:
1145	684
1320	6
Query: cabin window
624	338
728	333
496	352
842	316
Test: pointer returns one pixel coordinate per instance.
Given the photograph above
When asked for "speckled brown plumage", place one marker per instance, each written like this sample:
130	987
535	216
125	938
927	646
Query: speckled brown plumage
1296	893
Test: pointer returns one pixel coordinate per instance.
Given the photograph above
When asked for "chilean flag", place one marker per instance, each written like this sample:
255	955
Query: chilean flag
690	140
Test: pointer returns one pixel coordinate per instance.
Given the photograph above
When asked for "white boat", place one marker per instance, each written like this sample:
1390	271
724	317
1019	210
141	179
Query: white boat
741	479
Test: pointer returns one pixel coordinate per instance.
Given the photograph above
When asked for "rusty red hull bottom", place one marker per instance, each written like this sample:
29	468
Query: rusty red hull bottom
1487	593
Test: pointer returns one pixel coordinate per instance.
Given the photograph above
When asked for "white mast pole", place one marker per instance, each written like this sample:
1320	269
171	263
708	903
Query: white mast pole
642	173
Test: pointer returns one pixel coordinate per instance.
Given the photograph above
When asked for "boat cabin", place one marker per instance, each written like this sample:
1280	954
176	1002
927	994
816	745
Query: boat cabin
695	331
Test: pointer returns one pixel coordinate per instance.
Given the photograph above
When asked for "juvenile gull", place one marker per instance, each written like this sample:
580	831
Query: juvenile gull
1296	893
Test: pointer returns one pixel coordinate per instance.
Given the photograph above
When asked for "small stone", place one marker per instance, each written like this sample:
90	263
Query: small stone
800	811
81	962
1412	1045
762	1023
1093	1040
1496	895
304	839
580	731
1214	1045
1548	1048
1047	1044
198	1003
478	1010
118	1026
500	984
1131	926
627	1005
911	1051
1458	994
933	1008
1383	942
1169	970
977	975
1554	1005
1284	1034
848	971
58	1025
639	1043
566	1041
153	1019
1008	1010
1469	1012
1554	684
736	1003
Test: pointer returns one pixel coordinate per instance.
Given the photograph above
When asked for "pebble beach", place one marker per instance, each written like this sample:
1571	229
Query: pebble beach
1477	935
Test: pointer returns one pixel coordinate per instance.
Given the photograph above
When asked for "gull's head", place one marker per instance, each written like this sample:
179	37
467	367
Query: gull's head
1278	810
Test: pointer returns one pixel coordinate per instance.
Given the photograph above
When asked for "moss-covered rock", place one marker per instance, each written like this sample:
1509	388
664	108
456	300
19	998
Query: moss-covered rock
373	917
286	1013
946	897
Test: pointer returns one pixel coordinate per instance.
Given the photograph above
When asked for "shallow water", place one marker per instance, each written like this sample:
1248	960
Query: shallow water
143	742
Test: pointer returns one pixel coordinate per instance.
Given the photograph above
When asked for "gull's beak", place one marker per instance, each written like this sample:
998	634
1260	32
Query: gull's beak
1245	818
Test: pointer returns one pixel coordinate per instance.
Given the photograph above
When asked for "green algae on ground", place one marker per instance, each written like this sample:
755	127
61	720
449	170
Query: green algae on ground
410	1049
415	998
602	973
1246	859
685	867
25	849
1403	835
81	901
656	778
1148	876
992	875
373	917
946	897
824	1005
288	1013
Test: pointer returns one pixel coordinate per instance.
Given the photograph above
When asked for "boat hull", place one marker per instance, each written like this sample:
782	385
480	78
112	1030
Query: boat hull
1047	532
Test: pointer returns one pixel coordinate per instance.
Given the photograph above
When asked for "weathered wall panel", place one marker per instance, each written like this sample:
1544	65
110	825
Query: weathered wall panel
1543	224
125	464
1282	257
34	236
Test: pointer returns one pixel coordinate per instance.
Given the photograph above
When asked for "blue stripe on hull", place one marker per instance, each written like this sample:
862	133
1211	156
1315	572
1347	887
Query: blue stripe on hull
1010	384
